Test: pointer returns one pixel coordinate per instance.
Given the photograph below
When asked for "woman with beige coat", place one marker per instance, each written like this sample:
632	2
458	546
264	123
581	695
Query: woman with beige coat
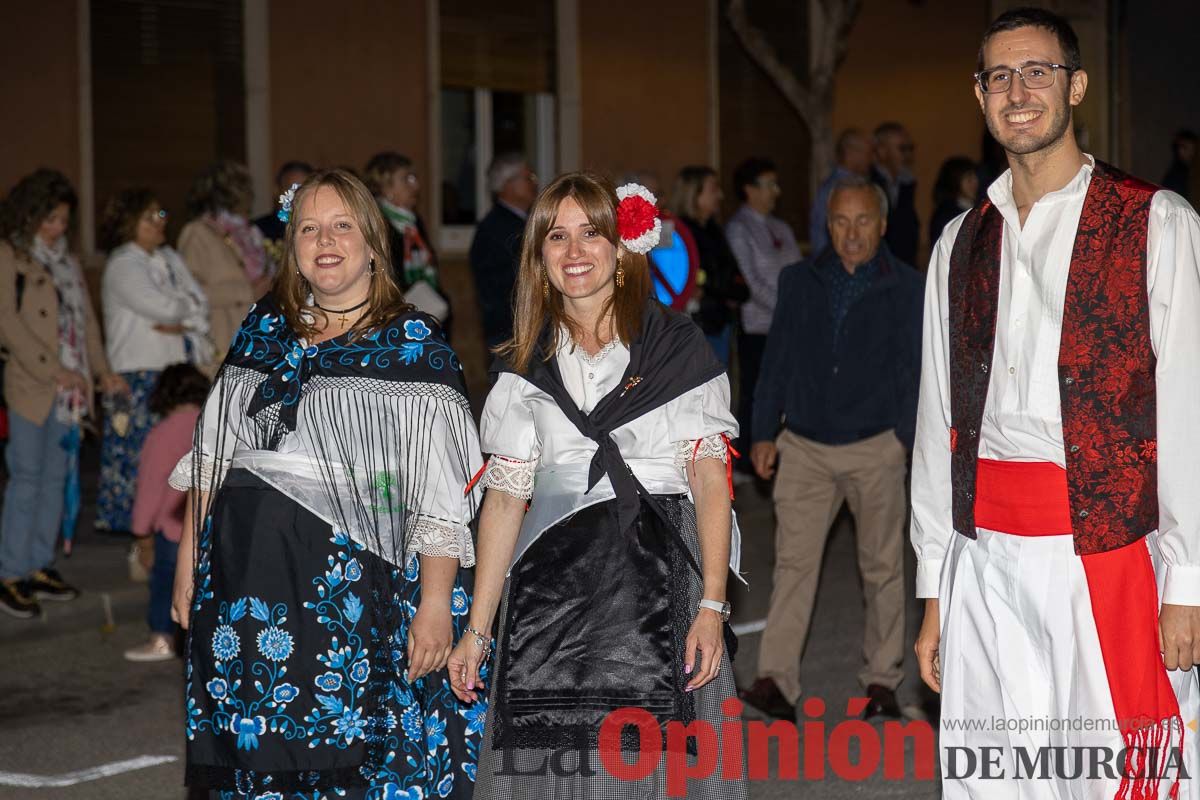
224	251
54	349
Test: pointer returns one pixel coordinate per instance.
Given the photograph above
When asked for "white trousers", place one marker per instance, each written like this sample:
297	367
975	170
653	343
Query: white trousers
1022	673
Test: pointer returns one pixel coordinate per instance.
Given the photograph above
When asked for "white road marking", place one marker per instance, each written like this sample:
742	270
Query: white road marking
756	626
83	775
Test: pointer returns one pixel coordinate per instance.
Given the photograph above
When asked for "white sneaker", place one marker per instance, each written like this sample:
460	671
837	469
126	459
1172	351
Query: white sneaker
159	648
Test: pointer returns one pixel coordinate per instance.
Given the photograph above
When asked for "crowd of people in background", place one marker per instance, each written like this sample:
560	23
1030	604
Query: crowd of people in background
168	315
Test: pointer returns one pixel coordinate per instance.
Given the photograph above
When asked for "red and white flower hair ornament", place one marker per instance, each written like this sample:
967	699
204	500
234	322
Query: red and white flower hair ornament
638	224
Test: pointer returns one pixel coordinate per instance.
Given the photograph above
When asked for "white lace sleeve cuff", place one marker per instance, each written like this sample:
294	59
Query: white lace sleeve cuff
709	447
431	536
509	475
182	475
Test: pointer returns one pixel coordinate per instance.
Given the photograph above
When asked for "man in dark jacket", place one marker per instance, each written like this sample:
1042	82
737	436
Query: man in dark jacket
840	377
892	170
496	248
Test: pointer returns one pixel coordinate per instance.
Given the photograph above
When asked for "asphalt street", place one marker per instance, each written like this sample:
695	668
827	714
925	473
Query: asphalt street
78	721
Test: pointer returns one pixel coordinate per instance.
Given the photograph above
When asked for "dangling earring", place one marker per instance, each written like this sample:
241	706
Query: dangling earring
620	274
545	286
372	267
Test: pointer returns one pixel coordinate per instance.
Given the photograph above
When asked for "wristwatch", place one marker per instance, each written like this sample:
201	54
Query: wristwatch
724	609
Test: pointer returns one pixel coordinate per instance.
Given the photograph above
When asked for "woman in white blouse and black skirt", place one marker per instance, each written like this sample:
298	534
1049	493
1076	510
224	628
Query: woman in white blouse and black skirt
610	418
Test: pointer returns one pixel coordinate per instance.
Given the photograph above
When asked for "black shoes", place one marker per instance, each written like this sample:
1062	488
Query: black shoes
17	601
47	584
881	702
764	695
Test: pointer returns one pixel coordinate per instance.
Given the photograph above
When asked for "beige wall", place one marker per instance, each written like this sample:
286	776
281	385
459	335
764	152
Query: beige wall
39	90
913	64
644	88
348	82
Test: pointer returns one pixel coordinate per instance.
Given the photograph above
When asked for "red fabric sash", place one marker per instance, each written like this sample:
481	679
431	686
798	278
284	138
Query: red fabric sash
1030	499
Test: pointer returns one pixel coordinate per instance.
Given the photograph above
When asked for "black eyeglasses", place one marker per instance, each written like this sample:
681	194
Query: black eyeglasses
1035	75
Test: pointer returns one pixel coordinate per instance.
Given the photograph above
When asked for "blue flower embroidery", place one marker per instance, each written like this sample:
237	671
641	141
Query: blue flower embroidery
350	725
285	693
353	570
435	732
225	643
394	792
412	722
475	714
412	570
360	671
470	768
248	729
446	786
217	688
458	601
416	330
269	796
275	644
328	682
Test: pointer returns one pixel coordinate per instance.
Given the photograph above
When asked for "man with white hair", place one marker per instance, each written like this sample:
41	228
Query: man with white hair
496	248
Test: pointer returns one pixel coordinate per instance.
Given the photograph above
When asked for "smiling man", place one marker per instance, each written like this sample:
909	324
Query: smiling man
1055	512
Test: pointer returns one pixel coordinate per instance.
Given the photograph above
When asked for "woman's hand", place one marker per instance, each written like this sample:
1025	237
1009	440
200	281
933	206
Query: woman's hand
113	384
175	329
144	546
70	379
429	639
181	593
704	648
464	665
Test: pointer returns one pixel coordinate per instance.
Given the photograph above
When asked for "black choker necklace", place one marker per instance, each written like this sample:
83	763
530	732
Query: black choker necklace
343	312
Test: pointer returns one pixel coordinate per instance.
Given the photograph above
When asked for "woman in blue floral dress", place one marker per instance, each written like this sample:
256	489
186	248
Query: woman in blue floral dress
320	576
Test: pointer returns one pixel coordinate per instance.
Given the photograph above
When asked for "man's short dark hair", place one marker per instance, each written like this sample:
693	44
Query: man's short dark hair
293	166
886	129
1068	41
749	171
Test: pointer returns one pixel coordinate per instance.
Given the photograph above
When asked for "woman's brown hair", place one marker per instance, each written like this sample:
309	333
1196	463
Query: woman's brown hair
223	186
385	300
534	310
29	203
122	215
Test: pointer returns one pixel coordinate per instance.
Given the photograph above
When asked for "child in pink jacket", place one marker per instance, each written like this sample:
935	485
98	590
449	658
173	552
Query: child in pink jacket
157	508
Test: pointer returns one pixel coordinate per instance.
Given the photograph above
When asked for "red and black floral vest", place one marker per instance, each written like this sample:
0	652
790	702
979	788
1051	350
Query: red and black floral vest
1105	363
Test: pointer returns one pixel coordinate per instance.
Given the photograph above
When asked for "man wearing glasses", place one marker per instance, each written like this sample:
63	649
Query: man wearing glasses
1056	516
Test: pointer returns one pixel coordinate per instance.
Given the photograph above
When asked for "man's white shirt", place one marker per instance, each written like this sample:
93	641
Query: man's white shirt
1022	419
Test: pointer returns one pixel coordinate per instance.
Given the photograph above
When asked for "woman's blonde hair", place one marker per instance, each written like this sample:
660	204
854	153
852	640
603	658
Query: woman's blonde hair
385	300
534	308
688	185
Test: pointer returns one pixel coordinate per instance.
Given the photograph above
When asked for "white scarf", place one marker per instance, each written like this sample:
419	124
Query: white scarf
71	405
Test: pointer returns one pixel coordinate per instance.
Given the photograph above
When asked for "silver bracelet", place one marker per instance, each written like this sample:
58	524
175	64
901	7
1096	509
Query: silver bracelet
484	641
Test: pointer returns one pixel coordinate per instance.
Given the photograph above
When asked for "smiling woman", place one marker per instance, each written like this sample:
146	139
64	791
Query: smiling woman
610	416
319	570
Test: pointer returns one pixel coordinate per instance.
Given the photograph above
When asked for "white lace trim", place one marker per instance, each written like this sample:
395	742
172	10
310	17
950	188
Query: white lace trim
710	447
509	475
594	361
431	536
183	473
